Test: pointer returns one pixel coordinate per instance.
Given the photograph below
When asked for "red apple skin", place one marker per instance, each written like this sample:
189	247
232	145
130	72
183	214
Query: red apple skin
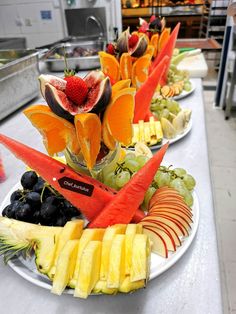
174	213
158	230
164	227
172	209
180	219
171	203
165	253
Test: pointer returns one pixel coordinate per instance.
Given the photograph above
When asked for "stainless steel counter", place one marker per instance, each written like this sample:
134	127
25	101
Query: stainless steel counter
190	286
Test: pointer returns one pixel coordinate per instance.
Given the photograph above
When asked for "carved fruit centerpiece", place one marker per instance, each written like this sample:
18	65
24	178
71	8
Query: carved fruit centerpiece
86	118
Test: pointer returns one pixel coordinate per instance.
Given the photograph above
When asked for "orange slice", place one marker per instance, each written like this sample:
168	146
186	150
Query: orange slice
150	50
140	70
109	65
108	139
154	43
57	132
120	85
125	66
119	115
88	131
163	38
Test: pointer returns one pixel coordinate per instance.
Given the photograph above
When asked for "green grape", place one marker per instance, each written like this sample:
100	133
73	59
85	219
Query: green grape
177	184
110	180
189	181
180	172
163	103
158	173
129	156
141	159
133	165
173	106
188	198
187	86
163	179
148	195
122	178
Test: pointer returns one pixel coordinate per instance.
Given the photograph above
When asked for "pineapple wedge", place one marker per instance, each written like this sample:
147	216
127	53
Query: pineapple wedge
71	231
116	268
140	258
106	246
130	232
87	236
101	287
89	269
65	266
129	286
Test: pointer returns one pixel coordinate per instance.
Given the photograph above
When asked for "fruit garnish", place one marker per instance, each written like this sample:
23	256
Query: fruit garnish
76	89
109	65
125	66
133	40
150	50
164	36
57	132
110	48
108	139
140	70
88	130
154	42
120	85
119	114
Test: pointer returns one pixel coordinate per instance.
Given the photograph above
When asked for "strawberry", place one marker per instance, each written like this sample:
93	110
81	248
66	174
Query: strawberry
110	48
133	40
152	18
76	89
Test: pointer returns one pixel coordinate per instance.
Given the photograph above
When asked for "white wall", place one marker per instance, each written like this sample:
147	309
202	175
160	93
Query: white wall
23	18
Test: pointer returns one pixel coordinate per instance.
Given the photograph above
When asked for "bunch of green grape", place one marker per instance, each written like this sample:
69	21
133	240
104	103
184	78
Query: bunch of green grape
165	108
176	178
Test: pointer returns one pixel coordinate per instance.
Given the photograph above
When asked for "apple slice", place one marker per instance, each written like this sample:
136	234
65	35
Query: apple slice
173	211
158	243
163	227
165	234
170	208
179	220
170	222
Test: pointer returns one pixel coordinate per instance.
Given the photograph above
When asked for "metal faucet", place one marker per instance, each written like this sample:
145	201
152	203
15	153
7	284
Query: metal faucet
98	23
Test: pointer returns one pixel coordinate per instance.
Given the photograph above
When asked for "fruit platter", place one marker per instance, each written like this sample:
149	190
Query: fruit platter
91	216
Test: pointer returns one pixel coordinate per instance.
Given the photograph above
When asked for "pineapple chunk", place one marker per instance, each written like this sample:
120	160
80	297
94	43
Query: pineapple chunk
101	287
87	236
140	258
65	266
128	286
106	246
89	269
130	232
71	231
116	269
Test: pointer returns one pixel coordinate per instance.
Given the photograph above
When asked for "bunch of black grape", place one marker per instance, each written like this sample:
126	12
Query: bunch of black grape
39	203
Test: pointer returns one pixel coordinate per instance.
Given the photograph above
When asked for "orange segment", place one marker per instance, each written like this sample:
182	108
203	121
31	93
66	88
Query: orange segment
150	50
108	139
109	65
120	85
140	70
88	131
119	115
163	38
154	43
125	66
57	132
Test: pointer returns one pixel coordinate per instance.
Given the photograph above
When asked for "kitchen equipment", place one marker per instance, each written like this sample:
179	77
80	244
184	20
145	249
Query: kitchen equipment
80	55
18	79
12	43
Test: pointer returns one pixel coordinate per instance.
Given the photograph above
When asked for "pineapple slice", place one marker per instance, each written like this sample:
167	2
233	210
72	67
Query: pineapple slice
106	246
71	231
89	269
130	232
140	258
101	287
116	269
65	266
87	236
128	286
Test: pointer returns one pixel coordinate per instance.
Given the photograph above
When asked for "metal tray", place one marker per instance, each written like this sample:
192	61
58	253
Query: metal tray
18	79
80	56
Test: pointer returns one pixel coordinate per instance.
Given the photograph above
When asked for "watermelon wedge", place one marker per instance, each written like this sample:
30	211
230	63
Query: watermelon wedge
166	51
84	192
145	93
128	199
